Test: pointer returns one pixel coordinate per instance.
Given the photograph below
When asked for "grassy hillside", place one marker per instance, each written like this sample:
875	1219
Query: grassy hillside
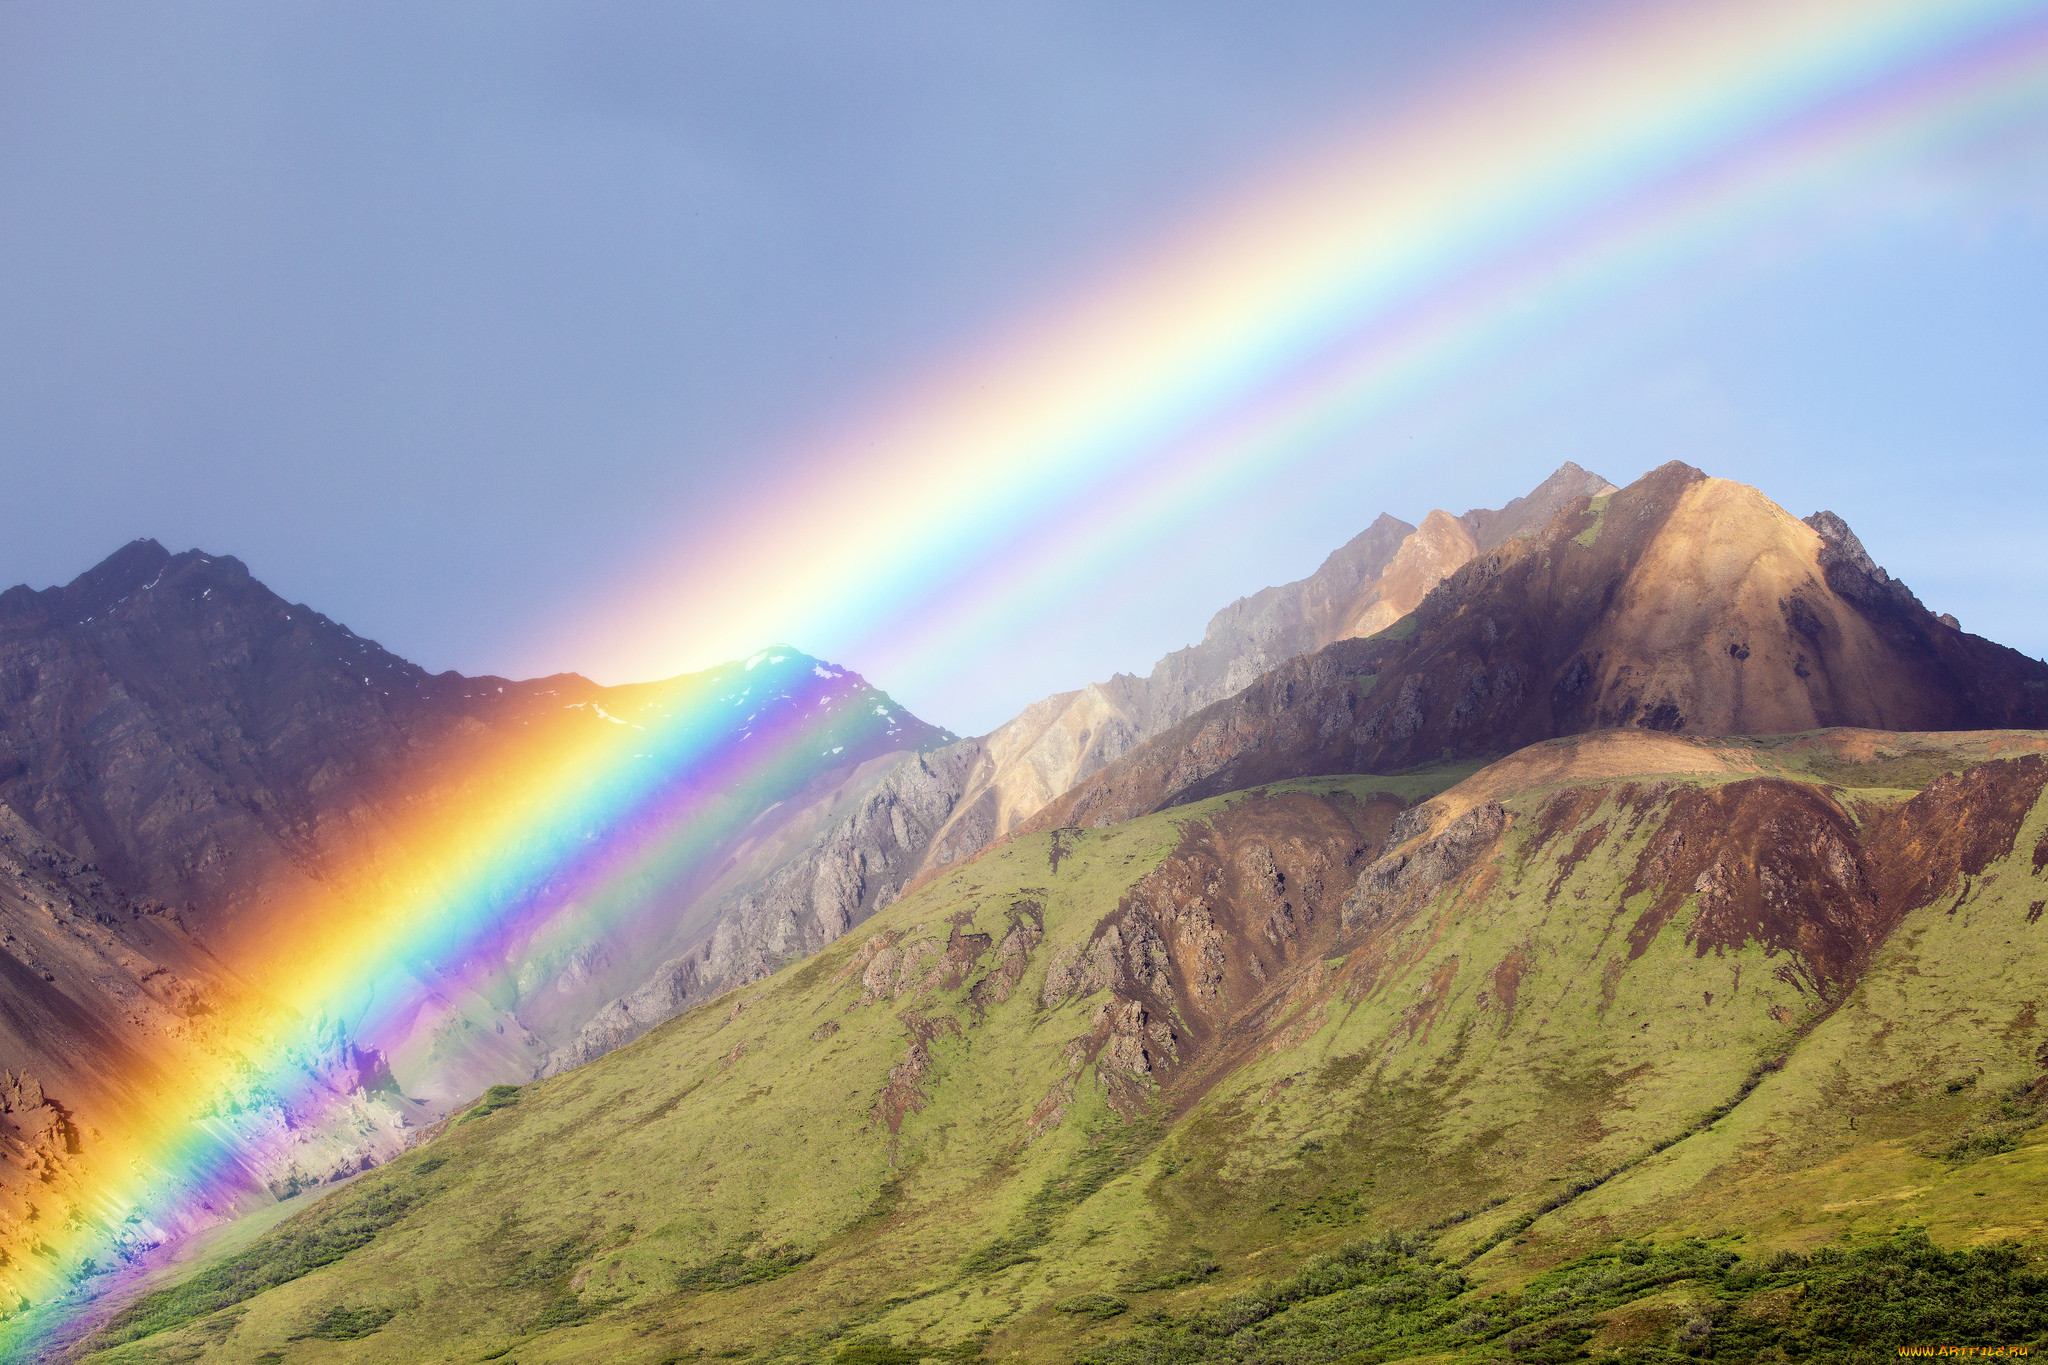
1668	1047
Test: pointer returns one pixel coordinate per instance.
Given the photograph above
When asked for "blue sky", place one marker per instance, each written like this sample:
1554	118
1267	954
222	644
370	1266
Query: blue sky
447	319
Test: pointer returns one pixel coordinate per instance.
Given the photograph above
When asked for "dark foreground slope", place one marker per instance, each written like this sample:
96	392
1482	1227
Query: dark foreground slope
1634	1041
1680	604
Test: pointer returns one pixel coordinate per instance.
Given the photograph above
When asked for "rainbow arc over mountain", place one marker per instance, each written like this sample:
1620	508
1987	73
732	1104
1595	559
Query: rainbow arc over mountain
1337	290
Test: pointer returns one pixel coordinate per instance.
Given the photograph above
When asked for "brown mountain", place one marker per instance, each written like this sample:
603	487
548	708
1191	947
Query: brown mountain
1681	604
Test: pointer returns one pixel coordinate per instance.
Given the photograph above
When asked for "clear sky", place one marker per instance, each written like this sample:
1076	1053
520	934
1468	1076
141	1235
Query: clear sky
452	320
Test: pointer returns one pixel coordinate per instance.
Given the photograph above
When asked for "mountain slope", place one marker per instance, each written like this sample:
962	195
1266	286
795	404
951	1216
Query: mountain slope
1091	1090
947	805
197	777
1679	604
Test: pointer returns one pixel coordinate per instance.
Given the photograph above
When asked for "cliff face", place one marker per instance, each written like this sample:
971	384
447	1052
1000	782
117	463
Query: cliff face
944	806
857	866
114	1020
1680	604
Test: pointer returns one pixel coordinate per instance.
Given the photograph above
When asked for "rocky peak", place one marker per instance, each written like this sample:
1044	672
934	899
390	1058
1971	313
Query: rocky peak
1530	514
1851	571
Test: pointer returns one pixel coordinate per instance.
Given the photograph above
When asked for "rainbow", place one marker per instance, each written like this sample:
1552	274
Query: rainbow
1373	271
579	831
1367	274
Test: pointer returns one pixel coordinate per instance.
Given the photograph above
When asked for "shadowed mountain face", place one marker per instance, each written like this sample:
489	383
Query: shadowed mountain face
1368	584
235	762
1680	604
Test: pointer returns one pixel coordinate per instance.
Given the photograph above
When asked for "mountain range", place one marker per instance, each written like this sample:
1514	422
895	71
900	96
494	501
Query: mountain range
1597	925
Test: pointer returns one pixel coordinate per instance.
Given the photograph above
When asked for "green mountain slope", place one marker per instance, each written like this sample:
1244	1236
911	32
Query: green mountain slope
1624	1043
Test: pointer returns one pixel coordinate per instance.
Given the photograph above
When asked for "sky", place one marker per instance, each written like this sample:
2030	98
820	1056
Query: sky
456	322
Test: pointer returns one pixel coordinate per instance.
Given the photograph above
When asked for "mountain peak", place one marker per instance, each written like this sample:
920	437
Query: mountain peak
1531	513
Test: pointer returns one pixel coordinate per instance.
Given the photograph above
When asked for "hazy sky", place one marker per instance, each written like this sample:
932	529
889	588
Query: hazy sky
449	319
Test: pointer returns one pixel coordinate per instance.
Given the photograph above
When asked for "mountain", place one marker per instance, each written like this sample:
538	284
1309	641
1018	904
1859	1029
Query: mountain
948	804
1626	948
1379	577
1638	1042
242	775
1681	604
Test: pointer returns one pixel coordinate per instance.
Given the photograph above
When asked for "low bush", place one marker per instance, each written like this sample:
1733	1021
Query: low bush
1391	1298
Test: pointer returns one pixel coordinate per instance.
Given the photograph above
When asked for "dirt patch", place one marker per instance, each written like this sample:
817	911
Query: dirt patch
1782	864
1060	845
1421	1016
1956	828
903	1093
1568	863
1771	862
1219	949
1507	984
1562	812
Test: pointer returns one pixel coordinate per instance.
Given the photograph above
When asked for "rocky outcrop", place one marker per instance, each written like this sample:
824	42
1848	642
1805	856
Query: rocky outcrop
1850	571
1206	950
1408	879
858	866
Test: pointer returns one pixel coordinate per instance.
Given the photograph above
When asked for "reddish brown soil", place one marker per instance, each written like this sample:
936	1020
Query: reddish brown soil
1772	862
1206	956
1781	863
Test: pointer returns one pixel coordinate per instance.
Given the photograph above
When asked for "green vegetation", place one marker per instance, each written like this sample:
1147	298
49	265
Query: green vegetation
1392	1298
320	1236
736	1268
1106	1152
1400	630
342	1323
496	1098
2013	1116
1587	538
1622	1134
